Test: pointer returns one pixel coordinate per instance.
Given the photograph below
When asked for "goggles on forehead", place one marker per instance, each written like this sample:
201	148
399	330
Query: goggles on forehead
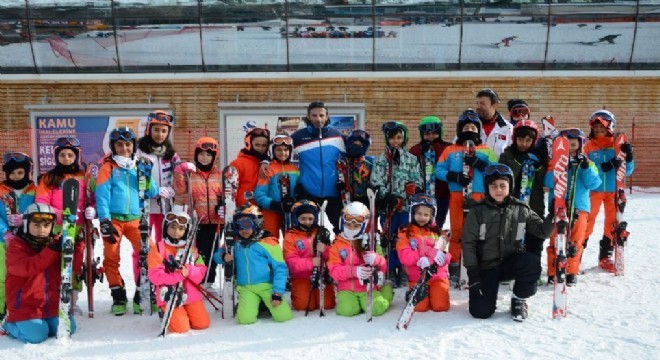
601	116
390	125
360	134
431	127
181	220
358	219
42	217
469	115
259	132
15	156
208	146
67	141
499	169
125	135
520	111
572	133
161	117
423	198
282	140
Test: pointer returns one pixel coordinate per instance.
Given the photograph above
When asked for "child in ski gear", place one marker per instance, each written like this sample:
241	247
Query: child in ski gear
358	166
261	273
528	174
167	268
119	209
518	111
17	192
450	169
247	162
302	246
33	277
268	192
582	178
319	146
396	176
417	250
351	263
206	188
431	132
156	146
600	150
495	131
68	165
492	250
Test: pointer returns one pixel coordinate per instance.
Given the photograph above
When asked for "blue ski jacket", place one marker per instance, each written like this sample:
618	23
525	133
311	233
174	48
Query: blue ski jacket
580	183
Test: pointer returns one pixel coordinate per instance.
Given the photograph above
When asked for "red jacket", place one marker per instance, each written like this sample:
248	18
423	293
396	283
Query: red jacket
33	281
248	174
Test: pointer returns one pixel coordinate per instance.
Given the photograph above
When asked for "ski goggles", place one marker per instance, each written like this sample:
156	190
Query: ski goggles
181	220
282	140
572	133
360	134
125	134
67	141
244	223
358	219
499	169
391	126
259	132
520	110
208	146
469	115
42	217
431	127
603	117
18	157
423	198
161	117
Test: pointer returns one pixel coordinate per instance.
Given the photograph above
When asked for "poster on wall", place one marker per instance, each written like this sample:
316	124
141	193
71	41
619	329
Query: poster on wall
91	127
238	126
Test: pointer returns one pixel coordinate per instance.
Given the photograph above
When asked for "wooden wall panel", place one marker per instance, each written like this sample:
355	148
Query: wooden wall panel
569	99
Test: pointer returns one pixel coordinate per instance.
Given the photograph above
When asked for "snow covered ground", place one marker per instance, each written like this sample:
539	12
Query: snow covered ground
609	318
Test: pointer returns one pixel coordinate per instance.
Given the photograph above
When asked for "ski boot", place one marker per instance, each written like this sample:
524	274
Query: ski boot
571	279
605	256
454	274
136	304
551	280
518	309
119	300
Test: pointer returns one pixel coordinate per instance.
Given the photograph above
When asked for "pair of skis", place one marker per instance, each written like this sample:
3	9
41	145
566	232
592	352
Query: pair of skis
427	164
175	296
144	287
469	149
419	291
318	272
229	189
70	194
621	232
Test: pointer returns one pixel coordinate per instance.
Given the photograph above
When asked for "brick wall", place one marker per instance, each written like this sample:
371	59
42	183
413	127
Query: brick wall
634	100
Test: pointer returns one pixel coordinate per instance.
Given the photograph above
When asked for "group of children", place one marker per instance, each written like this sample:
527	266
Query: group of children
506	190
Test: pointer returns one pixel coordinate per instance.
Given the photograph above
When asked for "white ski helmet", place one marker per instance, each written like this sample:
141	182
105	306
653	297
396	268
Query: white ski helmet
38	211
181	218
354	212
422	200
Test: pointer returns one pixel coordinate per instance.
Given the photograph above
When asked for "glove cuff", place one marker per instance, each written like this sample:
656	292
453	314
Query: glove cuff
276	297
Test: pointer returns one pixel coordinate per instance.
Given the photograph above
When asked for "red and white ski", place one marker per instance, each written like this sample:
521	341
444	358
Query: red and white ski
559	165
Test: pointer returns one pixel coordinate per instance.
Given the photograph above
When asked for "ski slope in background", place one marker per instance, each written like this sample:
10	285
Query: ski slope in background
609	318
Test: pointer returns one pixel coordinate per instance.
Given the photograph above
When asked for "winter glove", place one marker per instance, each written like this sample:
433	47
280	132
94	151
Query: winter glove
171	264
612	164
166	192
187	167
363	272
423	262
56	244
392	201
476	289
287	204
108	232
14	220
323	236
628	149
369	258
475	162
580	160
458	178
276	299
90	213
426	146
412	189
439	258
